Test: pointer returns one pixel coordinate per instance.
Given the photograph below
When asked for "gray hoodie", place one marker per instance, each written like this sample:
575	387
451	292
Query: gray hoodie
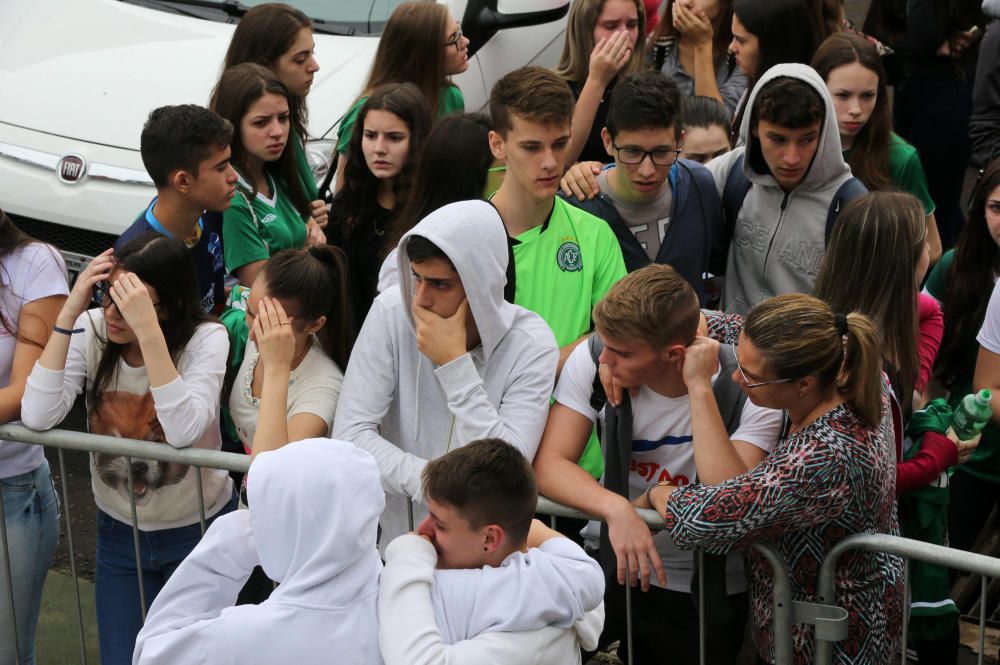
778	243
404	410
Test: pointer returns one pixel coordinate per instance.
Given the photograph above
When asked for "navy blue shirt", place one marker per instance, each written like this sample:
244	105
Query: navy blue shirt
209	263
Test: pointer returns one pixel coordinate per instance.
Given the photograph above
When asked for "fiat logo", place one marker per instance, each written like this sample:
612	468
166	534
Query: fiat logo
71	169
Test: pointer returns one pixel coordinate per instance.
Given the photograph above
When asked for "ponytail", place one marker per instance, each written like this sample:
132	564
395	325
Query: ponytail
336	336
799	336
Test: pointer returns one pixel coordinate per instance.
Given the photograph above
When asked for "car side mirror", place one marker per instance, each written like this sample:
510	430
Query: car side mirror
484	18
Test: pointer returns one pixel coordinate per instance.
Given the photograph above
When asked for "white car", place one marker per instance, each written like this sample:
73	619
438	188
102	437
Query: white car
79	77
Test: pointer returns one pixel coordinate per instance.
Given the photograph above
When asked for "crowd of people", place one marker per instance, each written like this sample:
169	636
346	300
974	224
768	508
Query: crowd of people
705	268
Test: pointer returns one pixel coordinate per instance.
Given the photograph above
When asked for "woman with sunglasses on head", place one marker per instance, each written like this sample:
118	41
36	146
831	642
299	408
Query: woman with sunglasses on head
151	364
692	47
831	474
852	69
280	37
33	288
270	211
604	39
380	166
422	44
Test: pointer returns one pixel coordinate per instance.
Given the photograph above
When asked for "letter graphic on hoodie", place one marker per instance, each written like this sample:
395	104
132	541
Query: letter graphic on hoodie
779	236
403	409
314	506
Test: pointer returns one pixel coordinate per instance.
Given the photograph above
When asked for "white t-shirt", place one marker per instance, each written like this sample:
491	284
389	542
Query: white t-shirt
313	387
662	449
28	273
989	334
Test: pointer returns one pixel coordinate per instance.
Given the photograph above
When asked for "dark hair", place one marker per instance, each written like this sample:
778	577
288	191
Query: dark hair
314	280
420	249
722	34
487	481
869	267
263	35
413	32
531	93
786	31
700	111
181	137
165	264
646	99
974	267
799	336
886	19
787	102
453	166
869	156
358	198
237	89
13	238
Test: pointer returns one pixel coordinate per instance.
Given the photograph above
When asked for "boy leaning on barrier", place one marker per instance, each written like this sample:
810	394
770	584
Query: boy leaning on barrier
645	327
481	582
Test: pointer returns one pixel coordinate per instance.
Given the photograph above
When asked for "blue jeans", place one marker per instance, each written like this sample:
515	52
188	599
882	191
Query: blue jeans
31	518
119	615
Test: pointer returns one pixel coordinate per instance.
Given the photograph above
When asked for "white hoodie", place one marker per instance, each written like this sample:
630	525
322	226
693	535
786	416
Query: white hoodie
538	608
314	505
396	404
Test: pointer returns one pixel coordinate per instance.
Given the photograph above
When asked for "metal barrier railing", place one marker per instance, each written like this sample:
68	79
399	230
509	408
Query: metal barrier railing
830	621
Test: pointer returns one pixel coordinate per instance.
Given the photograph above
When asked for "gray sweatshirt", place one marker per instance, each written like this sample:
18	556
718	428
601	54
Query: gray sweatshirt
779	239
403	409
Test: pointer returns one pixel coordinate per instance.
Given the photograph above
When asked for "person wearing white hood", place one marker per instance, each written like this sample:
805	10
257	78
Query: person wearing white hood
781	190
443	360
312	525
481	582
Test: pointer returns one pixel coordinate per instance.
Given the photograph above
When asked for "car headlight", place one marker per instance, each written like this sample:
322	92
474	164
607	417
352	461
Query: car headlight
319	154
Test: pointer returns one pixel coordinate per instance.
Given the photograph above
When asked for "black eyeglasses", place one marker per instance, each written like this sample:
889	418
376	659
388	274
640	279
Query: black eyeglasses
102	295
632	155
455	41
746	379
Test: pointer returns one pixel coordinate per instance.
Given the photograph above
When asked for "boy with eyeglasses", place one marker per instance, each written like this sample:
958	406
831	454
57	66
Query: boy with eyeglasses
661	208
646	335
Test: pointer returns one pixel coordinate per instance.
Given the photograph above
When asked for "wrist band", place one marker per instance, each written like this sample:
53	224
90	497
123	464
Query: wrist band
649	490
66	331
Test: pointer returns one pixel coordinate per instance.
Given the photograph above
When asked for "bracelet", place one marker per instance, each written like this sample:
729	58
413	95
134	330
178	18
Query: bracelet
649	490
66	331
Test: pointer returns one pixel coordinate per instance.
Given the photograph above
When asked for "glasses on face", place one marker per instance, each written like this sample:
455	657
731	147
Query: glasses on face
751	384
456	40
102	295
632	155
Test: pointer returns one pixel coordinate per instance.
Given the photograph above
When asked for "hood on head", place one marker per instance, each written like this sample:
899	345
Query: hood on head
314	509
474	238
828	164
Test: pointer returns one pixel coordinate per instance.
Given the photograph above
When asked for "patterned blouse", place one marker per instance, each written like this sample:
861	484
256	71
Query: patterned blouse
831	479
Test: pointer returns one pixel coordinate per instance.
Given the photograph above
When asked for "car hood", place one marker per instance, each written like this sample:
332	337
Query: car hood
92	70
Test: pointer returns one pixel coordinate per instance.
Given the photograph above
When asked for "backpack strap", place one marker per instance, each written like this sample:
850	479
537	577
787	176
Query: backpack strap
733	193
598	398
847	192
728	395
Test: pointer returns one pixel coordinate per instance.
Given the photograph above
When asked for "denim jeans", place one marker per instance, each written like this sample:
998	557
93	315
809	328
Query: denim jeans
31	517
119	615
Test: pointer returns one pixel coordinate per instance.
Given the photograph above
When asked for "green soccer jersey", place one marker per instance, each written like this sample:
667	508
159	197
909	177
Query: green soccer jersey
254	229
302	166
449	101
562	268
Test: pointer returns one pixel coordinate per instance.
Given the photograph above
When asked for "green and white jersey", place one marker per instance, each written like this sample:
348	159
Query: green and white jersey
255	228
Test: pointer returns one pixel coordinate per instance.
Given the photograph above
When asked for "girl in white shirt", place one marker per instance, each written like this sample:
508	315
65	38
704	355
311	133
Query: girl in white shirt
152	364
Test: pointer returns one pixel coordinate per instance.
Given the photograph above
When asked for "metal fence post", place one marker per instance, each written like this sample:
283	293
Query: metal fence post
201	498
72	556
701	606
10	579
982	619
906	606
782	627
630	647
135	540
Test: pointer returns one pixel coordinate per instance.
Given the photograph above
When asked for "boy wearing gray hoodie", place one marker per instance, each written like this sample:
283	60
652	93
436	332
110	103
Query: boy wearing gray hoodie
443	360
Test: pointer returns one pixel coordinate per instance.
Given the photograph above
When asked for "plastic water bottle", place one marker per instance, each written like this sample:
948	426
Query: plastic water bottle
972	415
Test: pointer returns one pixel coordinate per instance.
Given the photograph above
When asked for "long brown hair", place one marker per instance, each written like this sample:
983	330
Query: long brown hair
974	267
410	50
263	35
574	65
722	31
870	267
869	156
237	89
799	335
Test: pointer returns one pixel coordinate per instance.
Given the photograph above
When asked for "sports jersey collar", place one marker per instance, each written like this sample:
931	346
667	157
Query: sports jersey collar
545	225
158	227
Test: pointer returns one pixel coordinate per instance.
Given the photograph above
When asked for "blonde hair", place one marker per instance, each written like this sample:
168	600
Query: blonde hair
574	65
653	304
800	335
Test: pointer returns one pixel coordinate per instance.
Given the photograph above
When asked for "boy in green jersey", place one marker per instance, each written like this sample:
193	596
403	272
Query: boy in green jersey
565	259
